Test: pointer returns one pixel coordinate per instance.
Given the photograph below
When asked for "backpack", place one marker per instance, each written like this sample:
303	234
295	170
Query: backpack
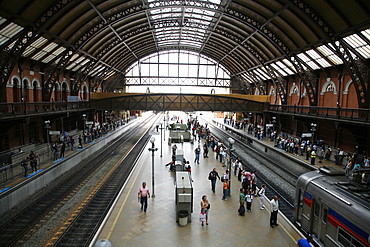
241	210
223	178
211	175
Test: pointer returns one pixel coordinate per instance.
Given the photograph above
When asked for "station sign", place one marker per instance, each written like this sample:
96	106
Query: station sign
306	134
269	125
54	132
89	122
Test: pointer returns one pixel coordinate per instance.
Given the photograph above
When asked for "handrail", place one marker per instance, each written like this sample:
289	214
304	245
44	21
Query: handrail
337	112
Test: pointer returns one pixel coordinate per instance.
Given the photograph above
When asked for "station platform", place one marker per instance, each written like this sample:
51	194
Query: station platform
127	225
271	144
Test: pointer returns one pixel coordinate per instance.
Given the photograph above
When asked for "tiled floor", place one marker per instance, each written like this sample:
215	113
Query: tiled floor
129	226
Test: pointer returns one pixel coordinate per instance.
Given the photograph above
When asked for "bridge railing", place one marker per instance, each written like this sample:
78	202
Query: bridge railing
334	112
25	108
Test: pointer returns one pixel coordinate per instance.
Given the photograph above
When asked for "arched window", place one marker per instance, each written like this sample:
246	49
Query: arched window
295	90
57	92
25	90
330	88
64	91
16	93
84	92
35	98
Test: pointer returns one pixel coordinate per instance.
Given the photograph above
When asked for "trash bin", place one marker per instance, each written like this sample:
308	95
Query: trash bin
183	217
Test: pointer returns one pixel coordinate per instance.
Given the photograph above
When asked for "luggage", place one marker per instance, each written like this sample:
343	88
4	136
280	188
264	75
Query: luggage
241	210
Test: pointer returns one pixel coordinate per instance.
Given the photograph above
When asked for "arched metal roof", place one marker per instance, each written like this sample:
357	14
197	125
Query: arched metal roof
254	40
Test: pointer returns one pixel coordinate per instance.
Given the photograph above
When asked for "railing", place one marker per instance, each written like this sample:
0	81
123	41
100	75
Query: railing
25	108
335	112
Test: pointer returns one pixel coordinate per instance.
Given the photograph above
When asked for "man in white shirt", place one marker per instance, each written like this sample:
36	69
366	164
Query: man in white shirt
274	206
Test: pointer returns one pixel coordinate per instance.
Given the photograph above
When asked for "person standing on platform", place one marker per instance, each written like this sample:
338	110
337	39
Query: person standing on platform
33	161
304	242
72	140
24	164
254	182
80	142
313	157
143	196
249	200
62	150
274	207
205	150
241	197
55	149
197	153
204	208
213	175
261	194
225	187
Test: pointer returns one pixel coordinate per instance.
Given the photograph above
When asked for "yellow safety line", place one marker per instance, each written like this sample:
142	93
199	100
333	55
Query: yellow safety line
123	204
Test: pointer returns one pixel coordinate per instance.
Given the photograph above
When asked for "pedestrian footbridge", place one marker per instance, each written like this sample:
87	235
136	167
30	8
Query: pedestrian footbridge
178	102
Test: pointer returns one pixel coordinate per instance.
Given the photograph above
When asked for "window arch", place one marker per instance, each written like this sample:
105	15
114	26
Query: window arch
328	86
294	90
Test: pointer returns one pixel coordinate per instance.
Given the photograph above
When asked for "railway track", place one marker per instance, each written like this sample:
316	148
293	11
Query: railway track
82	229
19	229
279	179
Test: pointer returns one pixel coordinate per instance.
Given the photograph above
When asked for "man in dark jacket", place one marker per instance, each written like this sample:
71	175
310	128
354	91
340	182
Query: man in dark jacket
213	175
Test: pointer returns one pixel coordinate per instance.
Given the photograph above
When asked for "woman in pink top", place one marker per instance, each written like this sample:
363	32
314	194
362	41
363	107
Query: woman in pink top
143	195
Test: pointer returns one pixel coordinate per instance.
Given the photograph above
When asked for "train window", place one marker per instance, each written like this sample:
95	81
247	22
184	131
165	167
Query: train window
344	238
347	240
317	210
325	216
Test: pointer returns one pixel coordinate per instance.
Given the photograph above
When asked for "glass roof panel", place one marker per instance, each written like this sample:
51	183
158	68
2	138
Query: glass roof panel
360	45
326	51
280	70
54	54
35	45
44	51
8	31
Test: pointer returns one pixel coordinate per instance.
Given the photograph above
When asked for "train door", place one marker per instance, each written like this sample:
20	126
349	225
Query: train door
324	217
316	218
319	220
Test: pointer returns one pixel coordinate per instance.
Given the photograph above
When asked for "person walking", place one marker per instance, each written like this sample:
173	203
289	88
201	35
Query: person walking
80	142
174	149
197	153
204	208
143	195
213	175
304	242
261	194
205	150
274	207
241	197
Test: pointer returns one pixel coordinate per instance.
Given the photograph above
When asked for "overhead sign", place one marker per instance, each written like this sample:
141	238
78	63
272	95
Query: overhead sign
54	132
307	135
89	122
269	125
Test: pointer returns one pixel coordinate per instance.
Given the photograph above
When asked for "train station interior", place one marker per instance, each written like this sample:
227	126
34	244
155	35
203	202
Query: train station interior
95	94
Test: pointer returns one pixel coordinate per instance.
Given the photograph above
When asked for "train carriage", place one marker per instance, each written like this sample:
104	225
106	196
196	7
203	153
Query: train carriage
332	208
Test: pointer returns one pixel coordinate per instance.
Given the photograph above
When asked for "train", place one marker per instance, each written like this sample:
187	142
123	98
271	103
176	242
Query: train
333	208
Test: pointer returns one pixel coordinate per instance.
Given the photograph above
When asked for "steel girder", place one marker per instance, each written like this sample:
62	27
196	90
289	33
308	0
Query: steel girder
357	66
178	102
